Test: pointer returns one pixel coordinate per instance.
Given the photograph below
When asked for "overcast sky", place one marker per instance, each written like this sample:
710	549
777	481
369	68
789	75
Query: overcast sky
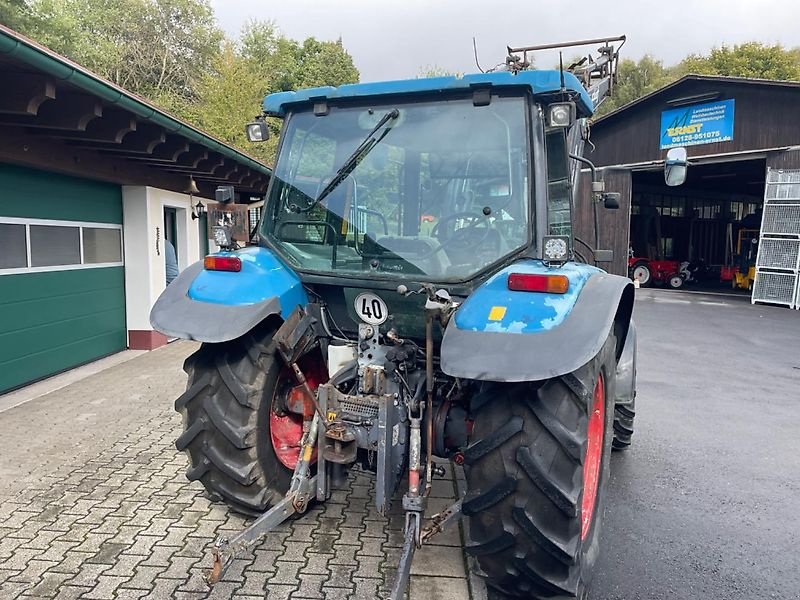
395	39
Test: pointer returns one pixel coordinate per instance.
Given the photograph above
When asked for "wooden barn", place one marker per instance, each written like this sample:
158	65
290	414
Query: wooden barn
743	142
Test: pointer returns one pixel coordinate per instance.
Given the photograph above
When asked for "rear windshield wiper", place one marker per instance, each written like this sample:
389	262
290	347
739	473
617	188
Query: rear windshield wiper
353	160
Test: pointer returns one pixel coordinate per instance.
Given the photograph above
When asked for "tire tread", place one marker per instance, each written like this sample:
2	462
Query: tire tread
223	410
527	537
487	445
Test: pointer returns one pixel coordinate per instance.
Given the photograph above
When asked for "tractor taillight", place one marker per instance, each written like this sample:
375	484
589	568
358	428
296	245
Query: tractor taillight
222	263
550	284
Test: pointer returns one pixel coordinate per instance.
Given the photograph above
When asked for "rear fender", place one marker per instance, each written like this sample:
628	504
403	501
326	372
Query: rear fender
547	335
217	306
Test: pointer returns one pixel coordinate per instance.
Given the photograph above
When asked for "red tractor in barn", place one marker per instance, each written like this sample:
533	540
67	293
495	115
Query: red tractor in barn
660	272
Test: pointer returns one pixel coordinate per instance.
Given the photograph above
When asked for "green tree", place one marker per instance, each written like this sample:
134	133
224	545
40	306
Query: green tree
156	48
271	54
286	64
751	59
264	61
636	79
324	63
230	96
15	14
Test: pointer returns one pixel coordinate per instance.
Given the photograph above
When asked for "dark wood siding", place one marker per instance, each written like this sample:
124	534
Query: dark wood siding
614	224
784	160
766	116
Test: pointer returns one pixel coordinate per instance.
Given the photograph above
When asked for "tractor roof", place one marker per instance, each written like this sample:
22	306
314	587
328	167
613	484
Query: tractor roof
538	82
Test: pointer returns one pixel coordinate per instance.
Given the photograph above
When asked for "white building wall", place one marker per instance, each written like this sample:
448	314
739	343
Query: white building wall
143	235
138	246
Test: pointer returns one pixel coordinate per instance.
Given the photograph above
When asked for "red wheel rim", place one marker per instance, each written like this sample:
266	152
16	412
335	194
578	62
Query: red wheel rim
286	430
594	455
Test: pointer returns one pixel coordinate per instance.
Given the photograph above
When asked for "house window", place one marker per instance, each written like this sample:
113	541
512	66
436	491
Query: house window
13	246
54	246
101	245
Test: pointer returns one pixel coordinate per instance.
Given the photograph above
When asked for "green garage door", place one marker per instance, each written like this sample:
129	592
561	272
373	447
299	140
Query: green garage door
62	284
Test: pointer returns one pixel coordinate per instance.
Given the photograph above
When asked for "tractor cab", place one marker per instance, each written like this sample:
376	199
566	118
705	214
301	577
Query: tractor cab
437	180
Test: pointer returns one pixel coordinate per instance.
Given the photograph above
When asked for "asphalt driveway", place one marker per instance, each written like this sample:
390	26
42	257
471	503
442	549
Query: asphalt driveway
706	503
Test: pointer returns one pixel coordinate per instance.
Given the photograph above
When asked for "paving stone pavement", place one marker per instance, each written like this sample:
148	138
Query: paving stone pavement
94	504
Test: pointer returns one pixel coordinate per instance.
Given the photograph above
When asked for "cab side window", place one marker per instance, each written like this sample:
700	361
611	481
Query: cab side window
559	196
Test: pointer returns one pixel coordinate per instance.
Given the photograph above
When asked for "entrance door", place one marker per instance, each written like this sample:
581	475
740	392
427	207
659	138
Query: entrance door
171	225
171	243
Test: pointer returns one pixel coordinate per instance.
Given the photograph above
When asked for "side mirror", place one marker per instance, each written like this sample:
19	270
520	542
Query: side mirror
675	167
611	200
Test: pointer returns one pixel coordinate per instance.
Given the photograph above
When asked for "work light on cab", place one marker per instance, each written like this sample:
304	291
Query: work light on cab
561	114
222	236
556	249
222	263
257	131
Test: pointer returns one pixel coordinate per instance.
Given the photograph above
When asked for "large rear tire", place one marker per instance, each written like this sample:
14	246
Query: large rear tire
537	468
226	418
625	399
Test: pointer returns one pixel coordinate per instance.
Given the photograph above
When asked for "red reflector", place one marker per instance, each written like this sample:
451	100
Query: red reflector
550	284
222	263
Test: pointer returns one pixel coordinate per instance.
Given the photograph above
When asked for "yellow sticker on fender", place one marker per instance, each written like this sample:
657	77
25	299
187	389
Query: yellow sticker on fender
497	313
331	415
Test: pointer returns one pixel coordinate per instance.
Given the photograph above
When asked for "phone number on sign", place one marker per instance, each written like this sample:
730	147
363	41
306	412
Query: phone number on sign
696	137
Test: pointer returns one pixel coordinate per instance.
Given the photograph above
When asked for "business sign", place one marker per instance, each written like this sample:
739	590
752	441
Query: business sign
697	124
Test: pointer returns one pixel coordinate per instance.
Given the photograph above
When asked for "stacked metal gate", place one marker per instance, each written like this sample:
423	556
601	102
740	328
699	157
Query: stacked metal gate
778	262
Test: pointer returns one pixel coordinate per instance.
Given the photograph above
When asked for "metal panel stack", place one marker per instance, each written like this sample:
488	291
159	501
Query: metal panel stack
778	262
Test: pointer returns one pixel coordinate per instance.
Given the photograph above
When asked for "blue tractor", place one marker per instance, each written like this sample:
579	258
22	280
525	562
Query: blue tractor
414	295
